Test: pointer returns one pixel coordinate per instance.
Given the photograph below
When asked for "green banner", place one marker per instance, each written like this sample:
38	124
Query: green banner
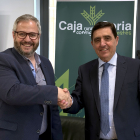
73	28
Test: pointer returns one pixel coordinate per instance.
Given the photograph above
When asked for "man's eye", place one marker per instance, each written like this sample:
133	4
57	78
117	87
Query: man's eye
107	38
22	34
97	40
32	35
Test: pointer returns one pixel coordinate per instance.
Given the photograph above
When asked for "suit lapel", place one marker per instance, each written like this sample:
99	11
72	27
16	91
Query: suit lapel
25	67
120	75
45	72
95	83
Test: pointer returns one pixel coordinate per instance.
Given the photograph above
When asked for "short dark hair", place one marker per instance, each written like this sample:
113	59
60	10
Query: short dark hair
103	25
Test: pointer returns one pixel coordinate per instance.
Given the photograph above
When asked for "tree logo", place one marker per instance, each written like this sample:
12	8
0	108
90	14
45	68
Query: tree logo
92	18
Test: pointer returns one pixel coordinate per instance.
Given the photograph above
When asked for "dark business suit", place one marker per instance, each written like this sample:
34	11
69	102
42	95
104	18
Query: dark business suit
126	99
21	99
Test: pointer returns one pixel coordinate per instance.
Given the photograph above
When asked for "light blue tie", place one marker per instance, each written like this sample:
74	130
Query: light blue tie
104	100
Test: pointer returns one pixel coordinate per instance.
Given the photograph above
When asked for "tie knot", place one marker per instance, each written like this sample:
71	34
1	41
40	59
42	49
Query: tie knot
106	65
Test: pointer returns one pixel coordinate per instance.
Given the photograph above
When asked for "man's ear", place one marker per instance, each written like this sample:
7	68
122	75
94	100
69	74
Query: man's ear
13	34
117	39
92	44
39	36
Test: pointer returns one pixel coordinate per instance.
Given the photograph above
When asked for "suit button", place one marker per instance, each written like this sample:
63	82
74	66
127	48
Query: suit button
38	131
41	114
47	102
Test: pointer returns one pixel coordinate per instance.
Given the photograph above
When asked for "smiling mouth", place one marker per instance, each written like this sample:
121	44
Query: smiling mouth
27	45
104	50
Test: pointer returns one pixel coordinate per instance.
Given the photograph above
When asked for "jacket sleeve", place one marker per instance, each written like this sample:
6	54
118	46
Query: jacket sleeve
14	91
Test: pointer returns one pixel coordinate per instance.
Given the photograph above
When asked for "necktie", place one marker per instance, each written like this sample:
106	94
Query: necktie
104	100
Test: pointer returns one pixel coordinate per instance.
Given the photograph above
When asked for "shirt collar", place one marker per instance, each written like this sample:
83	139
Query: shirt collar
113	61
37	58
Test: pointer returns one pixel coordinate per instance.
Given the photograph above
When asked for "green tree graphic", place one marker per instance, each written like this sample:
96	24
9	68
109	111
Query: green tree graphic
92	18
63	81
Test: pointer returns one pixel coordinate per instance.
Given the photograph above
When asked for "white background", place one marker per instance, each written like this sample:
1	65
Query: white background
9	11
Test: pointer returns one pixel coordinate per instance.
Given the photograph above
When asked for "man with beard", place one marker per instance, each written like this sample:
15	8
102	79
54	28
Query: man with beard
28	95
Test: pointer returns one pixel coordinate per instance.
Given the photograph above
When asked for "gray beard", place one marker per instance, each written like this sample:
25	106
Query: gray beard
18	48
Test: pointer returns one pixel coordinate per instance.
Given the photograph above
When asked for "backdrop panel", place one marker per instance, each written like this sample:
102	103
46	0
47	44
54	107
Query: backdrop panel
73	43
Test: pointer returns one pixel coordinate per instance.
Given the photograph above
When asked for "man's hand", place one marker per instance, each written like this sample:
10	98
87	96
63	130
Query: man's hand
64	98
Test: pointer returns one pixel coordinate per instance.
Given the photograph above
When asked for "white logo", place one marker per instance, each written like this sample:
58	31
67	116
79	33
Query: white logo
122	28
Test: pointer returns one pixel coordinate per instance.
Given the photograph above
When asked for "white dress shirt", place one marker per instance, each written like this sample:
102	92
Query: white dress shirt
112	78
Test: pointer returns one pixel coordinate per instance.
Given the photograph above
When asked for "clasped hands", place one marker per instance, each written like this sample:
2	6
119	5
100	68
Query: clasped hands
64	98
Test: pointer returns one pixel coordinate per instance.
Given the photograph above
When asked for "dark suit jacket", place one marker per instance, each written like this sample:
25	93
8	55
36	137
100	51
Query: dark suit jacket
21	99
126	99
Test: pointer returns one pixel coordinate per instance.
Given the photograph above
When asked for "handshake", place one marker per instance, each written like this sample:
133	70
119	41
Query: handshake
64	98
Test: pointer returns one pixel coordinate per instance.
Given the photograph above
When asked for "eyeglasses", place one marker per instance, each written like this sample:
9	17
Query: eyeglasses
23	35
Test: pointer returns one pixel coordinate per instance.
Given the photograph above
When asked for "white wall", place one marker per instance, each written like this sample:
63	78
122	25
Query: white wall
9	11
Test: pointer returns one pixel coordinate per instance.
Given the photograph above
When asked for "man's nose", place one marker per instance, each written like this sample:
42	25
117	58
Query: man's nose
103	43
27	38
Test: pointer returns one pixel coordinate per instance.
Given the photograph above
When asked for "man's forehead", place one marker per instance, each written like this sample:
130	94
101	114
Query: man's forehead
106	31
27	25
26	22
